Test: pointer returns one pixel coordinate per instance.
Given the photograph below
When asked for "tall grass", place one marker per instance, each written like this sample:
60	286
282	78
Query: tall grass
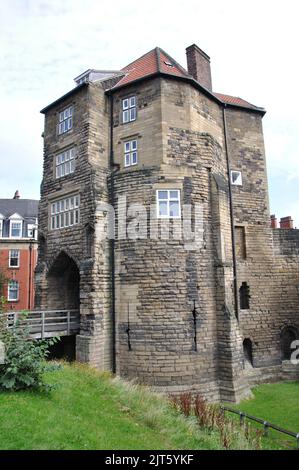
212	418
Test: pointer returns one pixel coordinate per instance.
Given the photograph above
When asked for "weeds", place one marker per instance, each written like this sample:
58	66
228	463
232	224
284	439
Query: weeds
212	418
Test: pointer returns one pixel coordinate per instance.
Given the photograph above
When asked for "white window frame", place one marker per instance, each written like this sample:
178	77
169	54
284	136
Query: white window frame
65	120
131	153
129	109
32	228
65	163
240	183
168	200
15	221
15	257
17	289
65	212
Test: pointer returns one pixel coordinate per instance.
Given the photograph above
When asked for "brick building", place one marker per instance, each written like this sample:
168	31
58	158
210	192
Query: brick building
215	316
18	250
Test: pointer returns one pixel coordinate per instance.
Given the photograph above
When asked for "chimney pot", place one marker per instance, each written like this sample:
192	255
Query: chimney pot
273	221
199	67
286	222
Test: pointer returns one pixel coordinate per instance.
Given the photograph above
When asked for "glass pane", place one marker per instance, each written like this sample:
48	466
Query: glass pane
132	114
132	102
70	123
174	209
61	117
71	110
53	223
162	194
72	168
57	221
134	144
163	208
127	159
61	220
127	147
173	194
61	206
71	203
77	201
53	208
67	168
72	218
66	220
126	116
67	204
134	158
125	104
62	170
77	216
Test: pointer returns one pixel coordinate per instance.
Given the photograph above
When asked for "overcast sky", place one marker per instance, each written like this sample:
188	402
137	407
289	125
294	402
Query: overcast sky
44	44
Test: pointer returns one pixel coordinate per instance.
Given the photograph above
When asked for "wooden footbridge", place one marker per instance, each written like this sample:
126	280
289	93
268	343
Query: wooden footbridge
45	323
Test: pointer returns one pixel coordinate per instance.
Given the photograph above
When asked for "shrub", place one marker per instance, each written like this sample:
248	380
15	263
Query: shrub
25	364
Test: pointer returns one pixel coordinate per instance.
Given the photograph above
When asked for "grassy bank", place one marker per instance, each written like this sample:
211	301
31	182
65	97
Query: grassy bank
88	410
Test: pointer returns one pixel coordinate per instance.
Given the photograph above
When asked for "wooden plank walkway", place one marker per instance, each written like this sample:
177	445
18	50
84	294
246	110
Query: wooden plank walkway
46	323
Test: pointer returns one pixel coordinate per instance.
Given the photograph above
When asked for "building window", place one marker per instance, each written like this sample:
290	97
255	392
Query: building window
244	296
129	109
236	178
13	291
247	352
168	203
32	231
65	212
65	163
14	258
65	120
15	229
131	157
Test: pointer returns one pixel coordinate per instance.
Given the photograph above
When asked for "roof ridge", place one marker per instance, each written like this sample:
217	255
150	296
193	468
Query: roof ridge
141	57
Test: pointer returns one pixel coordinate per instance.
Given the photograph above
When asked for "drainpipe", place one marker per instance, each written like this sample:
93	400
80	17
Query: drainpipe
112	241
30	275
232	220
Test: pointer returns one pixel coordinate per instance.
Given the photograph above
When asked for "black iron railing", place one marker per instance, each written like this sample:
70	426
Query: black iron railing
265	424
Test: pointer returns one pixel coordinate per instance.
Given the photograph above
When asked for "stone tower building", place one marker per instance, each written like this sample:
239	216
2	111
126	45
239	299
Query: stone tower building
151	140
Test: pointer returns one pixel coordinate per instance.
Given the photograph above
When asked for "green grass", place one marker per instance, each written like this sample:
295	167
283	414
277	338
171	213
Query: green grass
278	404
89	410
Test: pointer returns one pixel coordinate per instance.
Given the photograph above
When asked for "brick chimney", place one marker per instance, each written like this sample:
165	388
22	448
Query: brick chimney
198	63
17	195
273	221
286	222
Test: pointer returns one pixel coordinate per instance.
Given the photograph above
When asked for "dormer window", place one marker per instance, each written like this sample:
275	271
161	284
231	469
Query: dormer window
65	120
15	226
129	109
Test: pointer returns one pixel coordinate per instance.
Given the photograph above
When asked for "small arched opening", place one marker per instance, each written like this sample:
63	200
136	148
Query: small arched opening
247	352
288	335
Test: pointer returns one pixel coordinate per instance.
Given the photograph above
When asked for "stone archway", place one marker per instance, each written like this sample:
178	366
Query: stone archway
288	335
63	286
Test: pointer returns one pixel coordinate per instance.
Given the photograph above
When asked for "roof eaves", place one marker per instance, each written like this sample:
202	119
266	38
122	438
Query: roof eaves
69	93
192	81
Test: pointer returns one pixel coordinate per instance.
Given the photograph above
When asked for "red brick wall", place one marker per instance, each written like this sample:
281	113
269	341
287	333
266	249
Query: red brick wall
24	275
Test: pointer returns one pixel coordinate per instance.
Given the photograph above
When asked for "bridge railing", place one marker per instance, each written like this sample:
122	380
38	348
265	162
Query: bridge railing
46	323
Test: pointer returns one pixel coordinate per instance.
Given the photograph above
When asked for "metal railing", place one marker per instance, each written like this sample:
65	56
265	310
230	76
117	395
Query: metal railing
265	424
46	323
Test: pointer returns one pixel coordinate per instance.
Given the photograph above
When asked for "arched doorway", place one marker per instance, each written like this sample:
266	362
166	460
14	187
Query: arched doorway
247	351
288	335
63	284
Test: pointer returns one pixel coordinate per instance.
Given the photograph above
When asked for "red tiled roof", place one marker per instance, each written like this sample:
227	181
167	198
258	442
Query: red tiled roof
234	100
154	61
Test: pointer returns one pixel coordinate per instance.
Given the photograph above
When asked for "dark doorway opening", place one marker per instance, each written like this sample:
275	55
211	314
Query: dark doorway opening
247	351
288	335
63	349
